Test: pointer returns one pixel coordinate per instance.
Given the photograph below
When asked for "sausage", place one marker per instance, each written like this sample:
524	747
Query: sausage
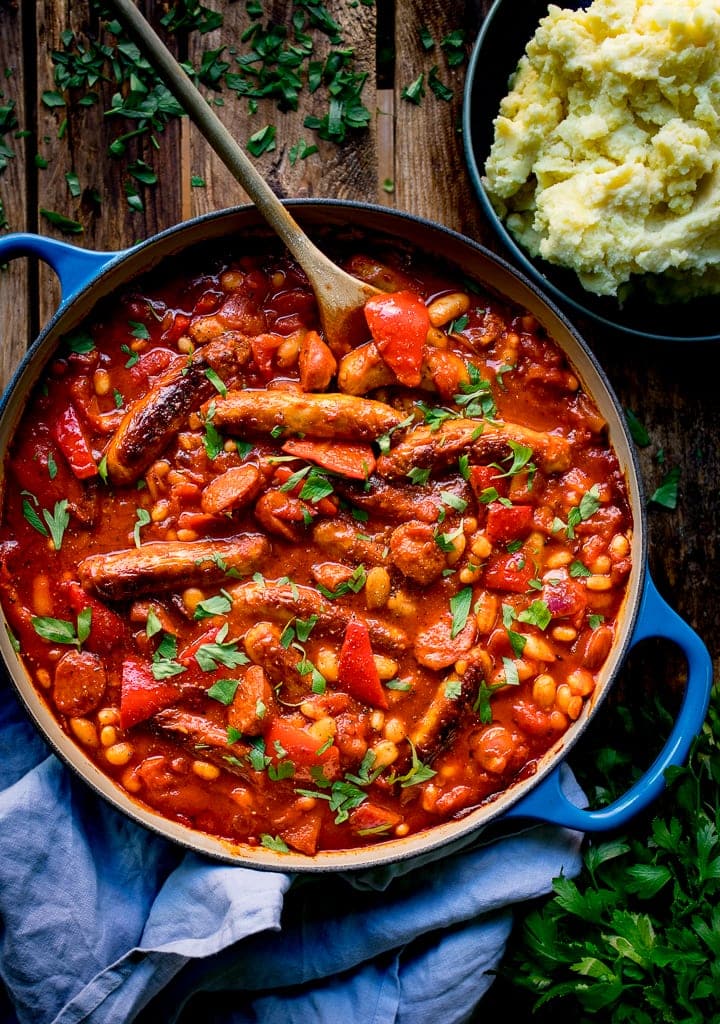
284	601
340	540
415	553
79	683
252	702
194	730
170	565
428	734
436	648
154	418
279	663
438	449
401	503
363	369
343	417
234	488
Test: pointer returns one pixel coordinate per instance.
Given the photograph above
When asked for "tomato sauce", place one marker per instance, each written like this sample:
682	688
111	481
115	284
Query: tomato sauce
304	598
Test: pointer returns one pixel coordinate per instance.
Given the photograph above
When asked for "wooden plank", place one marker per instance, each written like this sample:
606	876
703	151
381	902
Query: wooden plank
431	178
15	325
76	139
347	171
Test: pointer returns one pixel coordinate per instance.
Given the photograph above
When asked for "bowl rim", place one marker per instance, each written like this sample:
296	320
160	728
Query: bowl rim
443	836
527	264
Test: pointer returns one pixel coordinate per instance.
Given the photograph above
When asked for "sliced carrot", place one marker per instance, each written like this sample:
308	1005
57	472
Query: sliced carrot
355	461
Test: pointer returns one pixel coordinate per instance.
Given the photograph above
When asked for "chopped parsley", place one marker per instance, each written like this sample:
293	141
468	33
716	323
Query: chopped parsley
60	631
667	493
143	519
211	655
223	690
476	397
220	604
460	607
274	843
353	585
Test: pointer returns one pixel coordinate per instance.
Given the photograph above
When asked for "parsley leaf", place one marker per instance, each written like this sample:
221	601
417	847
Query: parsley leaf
667	493
223	690
460	607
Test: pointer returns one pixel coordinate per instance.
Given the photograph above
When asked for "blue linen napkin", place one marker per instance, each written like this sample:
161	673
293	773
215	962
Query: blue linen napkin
103	922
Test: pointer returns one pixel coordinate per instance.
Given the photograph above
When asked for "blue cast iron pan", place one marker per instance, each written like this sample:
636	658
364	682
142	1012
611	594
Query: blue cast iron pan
87	277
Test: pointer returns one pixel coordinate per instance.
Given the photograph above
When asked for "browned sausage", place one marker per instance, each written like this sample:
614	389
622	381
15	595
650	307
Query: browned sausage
171	565
279	663
435	646
154	418
194	730
340	539
283	601
252	704
428	734
331	416
363	369
316	363
414	551
438	449
234	488
79	683
401	503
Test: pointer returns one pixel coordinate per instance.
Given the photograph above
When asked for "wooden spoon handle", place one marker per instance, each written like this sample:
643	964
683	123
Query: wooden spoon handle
232	155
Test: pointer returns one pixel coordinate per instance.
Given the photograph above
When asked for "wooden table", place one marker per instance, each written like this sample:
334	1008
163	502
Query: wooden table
410	157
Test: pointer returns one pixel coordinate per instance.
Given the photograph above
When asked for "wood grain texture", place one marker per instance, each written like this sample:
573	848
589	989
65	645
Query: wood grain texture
15	327
418	147
348	171
430	173
77	139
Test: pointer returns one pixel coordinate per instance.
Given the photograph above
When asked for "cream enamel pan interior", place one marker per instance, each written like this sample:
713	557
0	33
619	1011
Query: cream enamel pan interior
329	220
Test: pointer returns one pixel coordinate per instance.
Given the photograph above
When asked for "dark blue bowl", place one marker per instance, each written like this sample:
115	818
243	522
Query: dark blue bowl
501	43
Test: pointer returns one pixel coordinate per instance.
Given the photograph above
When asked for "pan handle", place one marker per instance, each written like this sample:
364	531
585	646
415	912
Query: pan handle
74	267
548	803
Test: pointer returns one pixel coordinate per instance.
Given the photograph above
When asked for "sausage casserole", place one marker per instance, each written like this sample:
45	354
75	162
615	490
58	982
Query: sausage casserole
302	598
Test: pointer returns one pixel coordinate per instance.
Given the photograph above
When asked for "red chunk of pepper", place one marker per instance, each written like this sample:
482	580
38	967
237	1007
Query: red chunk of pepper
73	444
399	324
482	478
107	629
301	747
357	672
508	522
141	694
509	572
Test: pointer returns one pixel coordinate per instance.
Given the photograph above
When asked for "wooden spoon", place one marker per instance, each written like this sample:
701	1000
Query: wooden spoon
340	297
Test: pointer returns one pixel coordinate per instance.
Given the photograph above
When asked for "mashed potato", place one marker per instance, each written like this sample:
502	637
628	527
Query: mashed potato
606	156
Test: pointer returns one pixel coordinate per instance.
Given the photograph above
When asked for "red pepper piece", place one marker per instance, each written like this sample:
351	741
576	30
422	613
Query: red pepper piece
509	572
152	364
508	522
357	672
484	477
187	654
141	695
264	347
399	324
301	747
175	324
73	444
107	629
355	461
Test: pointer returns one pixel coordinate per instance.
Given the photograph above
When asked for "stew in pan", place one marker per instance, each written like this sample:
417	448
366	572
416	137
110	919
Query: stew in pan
304	598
